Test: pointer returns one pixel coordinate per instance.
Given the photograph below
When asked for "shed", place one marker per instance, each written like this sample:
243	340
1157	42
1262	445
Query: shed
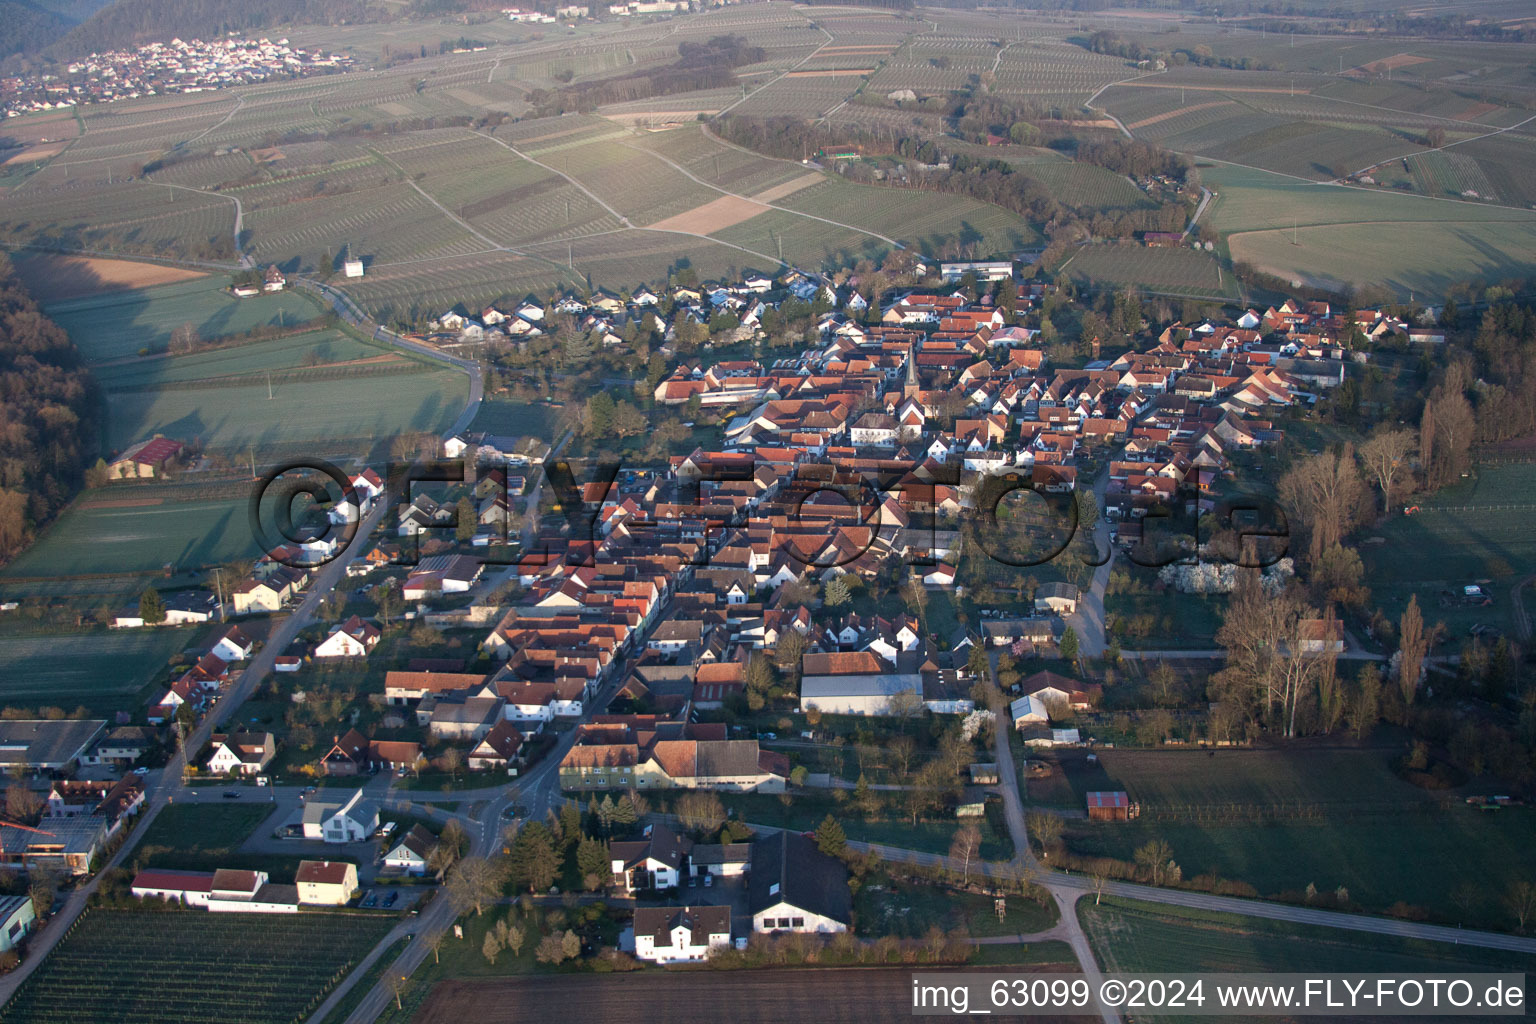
1111	806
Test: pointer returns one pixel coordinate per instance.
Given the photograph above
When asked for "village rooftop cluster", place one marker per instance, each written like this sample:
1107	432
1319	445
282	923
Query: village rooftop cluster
159	68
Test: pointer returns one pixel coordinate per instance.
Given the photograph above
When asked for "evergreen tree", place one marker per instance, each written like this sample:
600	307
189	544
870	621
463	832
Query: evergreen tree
151	608
1069	644
830	837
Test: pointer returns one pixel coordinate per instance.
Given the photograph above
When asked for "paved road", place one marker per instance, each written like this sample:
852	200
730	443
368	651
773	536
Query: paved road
1088	619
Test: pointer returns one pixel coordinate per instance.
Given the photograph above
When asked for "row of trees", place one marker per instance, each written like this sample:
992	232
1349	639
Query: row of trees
705	65
990	181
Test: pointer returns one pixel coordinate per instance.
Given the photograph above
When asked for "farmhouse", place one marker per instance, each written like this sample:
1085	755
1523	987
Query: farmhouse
353	753
672	935
145	460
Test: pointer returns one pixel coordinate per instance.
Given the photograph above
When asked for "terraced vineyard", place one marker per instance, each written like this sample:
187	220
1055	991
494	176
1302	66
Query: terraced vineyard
208	968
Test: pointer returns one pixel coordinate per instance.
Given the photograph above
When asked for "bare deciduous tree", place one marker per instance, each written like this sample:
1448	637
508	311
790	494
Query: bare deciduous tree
1326	494
1385	456
965	848
1047	828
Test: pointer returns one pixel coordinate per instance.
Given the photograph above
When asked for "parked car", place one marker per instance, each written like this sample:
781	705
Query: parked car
389	900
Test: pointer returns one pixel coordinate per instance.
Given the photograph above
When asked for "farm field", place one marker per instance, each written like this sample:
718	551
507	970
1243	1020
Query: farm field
1331	818
1180	271
1332	235
861	996
308	410
1129	936
119	324
105	670
94	538
1474	530
52	278
931	221
228	971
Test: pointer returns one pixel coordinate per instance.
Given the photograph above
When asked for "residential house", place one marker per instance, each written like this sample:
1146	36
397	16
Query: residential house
241	753
353	638
328	883
498	750
672	935
658	861
794	887
410	855
351	821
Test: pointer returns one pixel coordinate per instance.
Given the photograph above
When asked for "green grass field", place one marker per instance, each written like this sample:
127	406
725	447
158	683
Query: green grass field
506	417
209	827
209	968
884	907
119	324
1330	235
99	669
1473	530
1344	819
91	539
1130	936
326	417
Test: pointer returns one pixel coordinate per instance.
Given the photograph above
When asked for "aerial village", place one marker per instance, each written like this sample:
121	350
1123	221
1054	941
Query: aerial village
651	637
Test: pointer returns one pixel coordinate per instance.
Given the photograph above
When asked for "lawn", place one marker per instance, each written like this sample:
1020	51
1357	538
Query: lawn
103	669
204	827
207	968
805	812
1326	816
1129	936
883	907
510	418
1475	530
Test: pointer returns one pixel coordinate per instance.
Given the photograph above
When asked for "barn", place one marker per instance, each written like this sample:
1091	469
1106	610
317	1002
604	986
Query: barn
1111	806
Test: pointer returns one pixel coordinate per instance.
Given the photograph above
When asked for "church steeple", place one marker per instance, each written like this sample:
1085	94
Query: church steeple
912	387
